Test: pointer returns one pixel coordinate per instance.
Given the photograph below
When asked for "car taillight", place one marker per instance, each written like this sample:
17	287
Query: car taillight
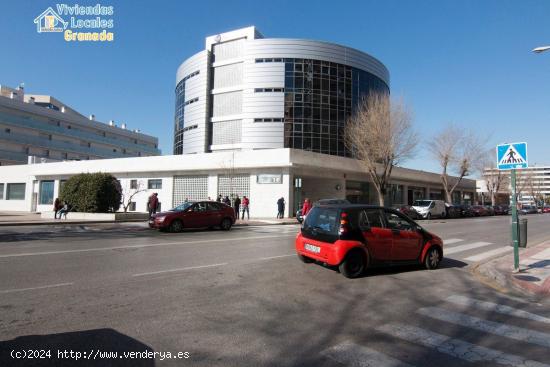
344	223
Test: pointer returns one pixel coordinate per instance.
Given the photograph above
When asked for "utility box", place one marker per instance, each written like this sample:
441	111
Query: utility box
522	232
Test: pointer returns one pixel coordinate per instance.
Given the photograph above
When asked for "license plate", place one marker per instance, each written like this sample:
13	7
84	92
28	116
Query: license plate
311	248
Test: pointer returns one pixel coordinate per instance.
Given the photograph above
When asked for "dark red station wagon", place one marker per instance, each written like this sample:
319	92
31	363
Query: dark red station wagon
355	237
200	214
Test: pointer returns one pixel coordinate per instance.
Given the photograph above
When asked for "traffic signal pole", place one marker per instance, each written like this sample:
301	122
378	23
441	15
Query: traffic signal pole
515	237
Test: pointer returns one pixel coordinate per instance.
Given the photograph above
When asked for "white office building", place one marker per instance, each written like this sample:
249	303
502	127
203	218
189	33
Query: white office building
255	116
46	129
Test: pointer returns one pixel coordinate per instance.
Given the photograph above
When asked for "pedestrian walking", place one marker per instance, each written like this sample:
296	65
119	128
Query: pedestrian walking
245	203
237	206
227	201
152	204
56	207
306	208
281	208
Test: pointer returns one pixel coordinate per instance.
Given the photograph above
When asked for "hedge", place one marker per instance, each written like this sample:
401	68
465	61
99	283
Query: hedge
92	193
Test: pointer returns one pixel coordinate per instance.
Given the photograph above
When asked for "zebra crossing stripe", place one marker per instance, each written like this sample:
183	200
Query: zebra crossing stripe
351	354
455	347
497	328
467	247
450	241
488	254
493	307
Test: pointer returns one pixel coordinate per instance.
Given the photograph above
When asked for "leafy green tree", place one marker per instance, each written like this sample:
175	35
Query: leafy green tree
92	193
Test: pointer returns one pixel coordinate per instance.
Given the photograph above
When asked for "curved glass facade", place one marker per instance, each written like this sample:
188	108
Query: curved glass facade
319	98
178	119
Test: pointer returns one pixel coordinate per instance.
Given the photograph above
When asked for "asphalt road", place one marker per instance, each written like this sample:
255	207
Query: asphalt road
241	298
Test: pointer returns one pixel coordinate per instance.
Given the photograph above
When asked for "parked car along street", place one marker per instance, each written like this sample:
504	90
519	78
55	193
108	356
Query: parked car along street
429	209
201	214
528	209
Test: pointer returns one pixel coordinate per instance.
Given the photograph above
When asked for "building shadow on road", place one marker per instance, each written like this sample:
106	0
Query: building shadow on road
85	342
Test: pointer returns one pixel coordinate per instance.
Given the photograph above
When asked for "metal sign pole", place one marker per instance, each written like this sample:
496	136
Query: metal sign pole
515	240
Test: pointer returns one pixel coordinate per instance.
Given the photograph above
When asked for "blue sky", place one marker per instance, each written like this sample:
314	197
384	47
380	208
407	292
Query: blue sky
466	62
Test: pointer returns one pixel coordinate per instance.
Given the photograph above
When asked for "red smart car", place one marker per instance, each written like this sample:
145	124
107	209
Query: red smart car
200	214
355	237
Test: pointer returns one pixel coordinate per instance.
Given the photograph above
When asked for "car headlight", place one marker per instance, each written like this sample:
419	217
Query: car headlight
160	219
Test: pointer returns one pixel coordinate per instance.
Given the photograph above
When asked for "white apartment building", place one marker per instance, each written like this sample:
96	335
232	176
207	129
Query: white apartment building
532	184
43	127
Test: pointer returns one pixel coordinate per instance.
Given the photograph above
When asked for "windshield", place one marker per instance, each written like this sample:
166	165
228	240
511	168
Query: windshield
422	203
182	207
323	220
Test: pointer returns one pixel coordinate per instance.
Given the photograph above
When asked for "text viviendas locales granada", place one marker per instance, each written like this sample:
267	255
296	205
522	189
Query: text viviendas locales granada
96	28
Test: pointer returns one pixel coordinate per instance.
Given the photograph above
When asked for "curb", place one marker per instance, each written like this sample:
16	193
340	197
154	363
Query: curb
64	222
488	273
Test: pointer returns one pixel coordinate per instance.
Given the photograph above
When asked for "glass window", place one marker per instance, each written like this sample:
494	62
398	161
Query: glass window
15	191
1	191
133	184
46	192
370	218
132	206
398	222
154	184
213	207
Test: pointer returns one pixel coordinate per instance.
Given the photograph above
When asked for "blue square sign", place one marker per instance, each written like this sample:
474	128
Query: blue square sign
511	156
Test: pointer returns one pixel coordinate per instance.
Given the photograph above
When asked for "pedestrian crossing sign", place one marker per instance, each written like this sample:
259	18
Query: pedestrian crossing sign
511	156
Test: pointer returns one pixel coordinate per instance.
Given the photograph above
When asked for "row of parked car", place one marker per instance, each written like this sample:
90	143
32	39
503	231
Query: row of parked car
427	209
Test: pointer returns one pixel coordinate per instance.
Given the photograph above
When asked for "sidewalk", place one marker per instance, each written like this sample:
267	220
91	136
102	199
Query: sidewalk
534	275
29	219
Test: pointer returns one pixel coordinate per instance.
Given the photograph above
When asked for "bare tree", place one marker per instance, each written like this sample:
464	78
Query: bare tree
533	186
129	193
495	180
380	135
455	149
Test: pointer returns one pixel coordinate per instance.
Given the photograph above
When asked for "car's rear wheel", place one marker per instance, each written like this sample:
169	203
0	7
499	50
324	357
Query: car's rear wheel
353	265
226	224
305	259
176	226
432	259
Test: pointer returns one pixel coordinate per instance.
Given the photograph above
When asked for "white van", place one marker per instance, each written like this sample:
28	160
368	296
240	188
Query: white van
429	209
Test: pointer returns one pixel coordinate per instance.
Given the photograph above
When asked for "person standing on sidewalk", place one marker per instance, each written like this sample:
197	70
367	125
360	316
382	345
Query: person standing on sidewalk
281	208
306	208
152	204
56	207
237	206
245	203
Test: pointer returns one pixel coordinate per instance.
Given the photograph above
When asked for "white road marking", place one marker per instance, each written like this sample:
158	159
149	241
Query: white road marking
493	307
450	241
496	328
275	257
351	354
488	254
143	246
470	246
179	269
34	288
455	347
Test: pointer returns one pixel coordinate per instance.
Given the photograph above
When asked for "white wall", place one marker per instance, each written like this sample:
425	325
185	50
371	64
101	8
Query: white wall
263	197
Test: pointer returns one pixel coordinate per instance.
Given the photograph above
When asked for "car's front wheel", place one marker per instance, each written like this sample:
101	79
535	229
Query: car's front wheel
432	259
353	265
429	216
226	224
176	226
